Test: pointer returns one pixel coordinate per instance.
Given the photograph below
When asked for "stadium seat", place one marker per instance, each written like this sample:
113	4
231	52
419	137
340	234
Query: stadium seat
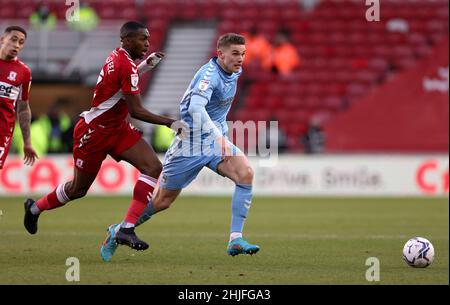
332	103
7	12
343	56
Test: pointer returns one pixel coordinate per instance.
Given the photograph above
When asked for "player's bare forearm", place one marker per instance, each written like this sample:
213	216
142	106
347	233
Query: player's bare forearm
24	116
138	112
147	116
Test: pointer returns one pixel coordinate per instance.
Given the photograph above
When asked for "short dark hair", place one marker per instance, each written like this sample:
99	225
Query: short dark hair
229	39
131	28
16	28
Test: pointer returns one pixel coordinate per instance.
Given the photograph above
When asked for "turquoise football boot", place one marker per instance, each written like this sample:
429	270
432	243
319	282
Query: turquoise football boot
109	245
241	246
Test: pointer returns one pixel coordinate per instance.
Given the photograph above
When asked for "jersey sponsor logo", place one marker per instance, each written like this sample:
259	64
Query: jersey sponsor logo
6	90
12	76
9	91
134	82
203	85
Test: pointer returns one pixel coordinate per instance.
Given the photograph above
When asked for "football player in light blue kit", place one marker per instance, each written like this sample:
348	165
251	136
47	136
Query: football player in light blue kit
204	108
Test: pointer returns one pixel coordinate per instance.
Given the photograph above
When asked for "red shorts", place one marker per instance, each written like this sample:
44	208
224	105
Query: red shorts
5	143
93	142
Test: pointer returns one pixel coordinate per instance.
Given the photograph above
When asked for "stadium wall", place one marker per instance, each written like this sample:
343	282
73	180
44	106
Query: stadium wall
289	175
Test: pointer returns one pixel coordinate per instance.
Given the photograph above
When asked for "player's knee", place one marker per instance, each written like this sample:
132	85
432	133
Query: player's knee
245	175
152	170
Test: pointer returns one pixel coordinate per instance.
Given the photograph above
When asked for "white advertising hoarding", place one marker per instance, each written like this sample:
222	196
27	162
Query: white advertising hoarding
317	175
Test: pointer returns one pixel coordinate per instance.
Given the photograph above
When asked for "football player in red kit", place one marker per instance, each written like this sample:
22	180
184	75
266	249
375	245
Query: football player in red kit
105	130
15	81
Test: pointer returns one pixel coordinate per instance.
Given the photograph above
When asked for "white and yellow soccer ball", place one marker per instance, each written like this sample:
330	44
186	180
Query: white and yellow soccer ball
418	252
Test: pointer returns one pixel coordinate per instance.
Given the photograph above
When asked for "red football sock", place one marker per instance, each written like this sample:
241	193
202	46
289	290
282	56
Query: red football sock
53	200
143	192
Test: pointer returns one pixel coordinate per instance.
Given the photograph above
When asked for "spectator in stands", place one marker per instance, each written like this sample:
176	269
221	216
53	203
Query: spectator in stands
284	57
279	134
258	48
309	5
59	127
51	132
141	11
398	25
43	18
314	139
88	20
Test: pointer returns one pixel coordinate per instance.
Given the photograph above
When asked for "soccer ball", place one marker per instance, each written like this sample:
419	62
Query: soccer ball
418	252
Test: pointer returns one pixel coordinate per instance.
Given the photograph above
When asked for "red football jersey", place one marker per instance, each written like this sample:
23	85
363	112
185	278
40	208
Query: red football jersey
15	82
118	76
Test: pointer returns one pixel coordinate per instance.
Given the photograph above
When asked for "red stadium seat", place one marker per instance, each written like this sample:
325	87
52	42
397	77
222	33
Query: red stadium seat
7	12
333	103
254	102
312	103
128	13
423	50
273	102
292	103
356	90
378	64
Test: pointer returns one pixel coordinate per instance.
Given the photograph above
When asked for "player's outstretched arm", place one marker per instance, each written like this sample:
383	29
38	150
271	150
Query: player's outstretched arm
24	116
151	62
137	111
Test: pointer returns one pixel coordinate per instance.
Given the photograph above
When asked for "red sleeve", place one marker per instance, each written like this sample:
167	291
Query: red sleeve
129	78
26	85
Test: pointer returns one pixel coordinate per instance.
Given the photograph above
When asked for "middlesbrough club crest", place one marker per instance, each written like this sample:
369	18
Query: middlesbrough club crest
12	76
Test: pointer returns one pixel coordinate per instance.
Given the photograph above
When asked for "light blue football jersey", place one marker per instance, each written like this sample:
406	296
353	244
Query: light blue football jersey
219	88
186	157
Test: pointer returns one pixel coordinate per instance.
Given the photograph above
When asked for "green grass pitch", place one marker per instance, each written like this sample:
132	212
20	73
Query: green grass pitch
303	241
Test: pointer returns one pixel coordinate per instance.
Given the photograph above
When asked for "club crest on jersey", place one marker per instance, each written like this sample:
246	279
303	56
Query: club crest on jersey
79	163
134	81
203	85
12	76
